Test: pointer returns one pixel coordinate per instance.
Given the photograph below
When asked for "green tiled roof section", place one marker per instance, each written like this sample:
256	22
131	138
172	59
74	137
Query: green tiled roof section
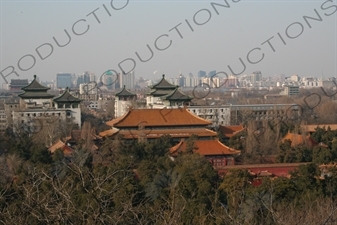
66	97
35	86
35	94
125	92
163	83
176	95
158	93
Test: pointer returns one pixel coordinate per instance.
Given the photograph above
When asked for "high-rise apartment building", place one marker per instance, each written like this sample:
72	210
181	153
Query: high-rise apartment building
92	77
128	80
181	80
255	77
86	77
231	81
109	80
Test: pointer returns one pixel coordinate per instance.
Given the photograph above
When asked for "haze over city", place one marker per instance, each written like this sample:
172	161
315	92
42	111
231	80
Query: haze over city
277	37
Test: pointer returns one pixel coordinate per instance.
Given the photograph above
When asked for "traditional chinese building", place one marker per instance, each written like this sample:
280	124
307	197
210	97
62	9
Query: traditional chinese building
67	150
164	94
180	124
230	131
36	105
71	104
147	124
217	153
123	101
16	85
299	139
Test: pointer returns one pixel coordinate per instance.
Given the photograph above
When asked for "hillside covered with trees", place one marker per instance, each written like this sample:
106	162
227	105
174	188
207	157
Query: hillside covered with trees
139	183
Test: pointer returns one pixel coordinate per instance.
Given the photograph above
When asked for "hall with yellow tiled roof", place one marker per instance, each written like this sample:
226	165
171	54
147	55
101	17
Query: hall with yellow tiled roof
213	150
154	123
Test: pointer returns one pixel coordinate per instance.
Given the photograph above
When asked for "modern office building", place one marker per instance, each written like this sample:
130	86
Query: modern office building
291	90
201	74
218	115
86	77
90	89
212	73
63	80
243	113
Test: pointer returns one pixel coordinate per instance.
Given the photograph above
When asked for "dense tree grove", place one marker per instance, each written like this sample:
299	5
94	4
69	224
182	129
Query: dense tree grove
139	183
259	141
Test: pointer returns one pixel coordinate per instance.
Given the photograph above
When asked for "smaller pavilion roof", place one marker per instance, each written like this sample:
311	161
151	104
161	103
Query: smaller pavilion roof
125	93
230	131
163	84
66	97
35	86
206	148
108	133
176	95
298	139
67	151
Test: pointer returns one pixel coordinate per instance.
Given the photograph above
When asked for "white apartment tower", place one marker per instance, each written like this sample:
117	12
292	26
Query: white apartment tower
128	80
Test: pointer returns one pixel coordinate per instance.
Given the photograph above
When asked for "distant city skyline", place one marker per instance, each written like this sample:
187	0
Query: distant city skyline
185	37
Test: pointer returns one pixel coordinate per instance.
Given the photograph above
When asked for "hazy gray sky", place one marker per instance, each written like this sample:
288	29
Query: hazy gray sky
224	35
